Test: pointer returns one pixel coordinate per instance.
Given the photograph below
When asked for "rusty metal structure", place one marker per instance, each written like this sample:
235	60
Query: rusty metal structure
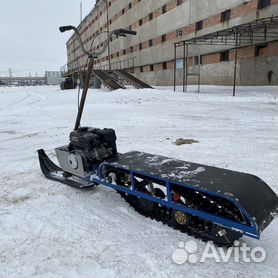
253	33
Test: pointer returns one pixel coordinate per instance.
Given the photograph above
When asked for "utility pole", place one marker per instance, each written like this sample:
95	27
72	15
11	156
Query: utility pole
81	8
108	34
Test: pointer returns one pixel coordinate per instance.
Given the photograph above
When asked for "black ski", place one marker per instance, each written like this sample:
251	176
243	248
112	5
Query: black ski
52	172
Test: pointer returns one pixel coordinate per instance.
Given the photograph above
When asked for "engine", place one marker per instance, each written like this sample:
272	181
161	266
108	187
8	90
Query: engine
88	147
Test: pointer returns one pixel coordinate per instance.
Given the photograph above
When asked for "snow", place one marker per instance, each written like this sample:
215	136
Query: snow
51	230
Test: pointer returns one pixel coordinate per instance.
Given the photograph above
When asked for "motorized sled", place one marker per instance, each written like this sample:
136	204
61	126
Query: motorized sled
206	202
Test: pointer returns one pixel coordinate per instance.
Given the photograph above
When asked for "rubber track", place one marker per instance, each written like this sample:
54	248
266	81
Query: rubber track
161	215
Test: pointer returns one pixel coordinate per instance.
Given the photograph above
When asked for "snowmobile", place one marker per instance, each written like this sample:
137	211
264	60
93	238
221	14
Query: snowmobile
209	203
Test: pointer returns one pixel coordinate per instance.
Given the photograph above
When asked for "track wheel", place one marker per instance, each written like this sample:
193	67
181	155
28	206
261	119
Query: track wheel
180	218
112	178
159	193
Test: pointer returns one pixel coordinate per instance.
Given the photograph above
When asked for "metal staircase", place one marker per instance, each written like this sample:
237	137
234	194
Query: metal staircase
108	80
137	83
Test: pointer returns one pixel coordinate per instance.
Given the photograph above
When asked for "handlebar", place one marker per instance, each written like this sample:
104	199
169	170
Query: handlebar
66	28
125	31
118	32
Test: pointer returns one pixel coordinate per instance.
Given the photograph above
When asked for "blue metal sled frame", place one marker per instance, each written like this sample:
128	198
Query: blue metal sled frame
249	230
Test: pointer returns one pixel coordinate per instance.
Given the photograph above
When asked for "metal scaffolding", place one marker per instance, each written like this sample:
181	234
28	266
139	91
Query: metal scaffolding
253	33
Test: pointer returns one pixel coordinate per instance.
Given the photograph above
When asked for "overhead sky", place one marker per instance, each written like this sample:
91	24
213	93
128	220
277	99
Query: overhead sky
29	35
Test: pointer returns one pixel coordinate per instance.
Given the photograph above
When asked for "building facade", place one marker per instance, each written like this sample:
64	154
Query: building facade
53	77
161	23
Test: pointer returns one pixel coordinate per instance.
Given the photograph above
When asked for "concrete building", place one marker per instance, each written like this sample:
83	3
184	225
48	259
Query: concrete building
161	23
53	77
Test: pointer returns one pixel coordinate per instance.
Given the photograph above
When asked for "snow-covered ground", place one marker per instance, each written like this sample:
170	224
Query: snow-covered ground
49	229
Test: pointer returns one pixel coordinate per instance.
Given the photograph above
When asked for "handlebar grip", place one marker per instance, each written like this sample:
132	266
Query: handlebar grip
126	31
65	28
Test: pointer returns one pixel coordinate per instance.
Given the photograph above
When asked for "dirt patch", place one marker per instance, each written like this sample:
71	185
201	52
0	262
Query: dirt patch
182	141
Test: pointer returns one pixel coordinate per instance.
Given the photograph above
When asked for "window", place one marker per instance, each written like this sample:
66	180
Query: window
124	52
118	54
259	49
140	22
179	33
199	25
225	56
141	69
164	66
201	59
179	2
110	4
150	43
198	60
123	11
225	16
164	9
140	46
130	5
151	67
163	38
264	3
150	16
131	49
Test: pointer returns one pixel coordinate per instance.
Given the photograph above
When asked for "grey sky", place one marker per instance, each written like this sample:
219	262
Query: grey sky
30	39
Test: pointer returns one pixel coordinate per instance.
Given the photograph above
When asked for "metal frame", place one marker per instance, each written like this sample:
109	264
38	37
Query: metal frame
256	32
91	57
249	230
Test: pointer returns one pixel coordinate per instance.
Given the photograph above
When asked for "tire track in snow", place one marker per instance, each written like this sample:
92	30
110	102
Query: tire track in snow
30	100
27	95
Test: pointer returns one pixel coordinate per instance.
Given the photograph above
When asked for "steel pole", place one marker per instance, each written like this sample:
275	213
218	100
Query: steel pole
107	22
175	65
183	68
235	68
84	94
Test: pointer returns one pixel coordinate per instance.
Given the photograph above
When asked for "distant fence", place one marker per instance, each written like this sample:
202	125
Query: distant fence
23	80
